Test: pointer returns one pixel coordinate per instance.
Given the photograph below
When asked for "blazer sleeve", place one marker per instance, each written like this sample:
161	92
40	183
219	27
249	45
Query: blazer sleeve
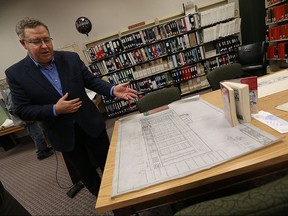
21	86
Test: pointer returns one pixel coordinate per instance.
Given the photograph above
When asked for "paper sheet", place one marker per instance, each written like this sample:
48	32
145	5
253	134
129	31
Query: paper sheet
7	123
90	94
272	83
272	121
283	107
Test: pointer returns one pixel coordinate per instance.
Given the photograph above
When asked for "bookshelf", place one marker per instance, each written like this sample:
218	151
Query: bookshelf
277	31
177	51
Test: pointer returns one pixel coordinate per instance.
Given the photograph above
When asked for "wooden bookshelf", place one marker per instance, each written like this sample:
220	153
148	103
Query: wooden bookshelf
177	51
277	32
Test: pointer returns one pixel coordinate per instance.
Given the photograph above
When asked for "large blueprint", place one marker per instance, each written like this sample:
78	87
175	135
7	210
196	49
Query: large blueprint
190	136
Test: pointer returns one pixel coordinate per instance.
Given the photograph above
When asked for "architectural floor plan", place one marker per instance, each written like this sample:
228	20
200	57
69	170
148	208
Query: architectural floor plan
190	136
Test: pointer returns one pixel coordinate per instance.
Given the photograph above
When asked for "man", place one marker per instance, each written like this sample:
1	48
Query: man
35	132
49	86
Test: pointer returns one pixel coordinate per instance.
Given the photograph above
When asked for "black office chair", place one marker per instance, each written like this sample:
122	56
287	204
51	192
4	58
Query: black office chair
252	58
225	72
158	98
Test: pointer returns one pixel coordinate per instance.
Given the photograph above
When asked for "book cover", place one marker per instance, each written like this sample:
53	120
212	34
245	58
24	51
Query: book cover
242	101
253	90
229	106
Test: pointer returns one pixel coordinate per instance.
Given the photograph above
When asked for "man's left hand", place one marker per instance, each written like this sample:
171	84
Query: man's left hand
124	92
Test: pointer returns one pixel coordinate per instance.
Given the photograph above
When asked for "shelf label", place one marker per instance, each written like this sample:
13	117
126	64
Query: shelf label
136	25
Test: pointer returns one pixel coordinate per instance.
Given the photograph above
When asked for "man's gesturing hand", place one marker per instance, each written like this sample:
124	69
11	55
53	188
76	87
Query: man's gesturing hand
124	92
67	106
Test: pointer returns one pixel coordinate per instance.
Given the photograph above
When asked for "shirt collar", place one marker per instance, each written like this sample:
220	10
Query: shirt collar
38	64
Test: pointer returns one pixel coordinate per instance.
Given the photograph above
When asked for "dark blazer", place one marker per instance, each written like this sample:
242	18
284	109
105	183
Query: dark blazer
34	96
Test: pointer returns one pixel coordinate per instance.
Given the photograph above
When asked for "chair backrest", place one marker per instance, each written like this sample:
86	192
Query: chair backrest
252	54
158	98
267	199
224	72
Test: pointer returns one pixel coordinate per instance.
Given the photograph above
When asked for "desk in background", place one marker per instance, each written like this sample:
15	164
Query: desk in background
271	159
7	138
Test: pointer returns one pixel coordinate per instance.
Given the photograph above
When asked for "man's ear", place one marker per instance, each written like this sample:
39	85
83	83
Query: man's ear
22	43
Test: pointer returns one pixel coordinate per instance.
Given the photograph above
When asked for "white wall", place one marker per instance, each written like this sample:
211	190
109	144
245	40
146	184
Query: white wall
107	17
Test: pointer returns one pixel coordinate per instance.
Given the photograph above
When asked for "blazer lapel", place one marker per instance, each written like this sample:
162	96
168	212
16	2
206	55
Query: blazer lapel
62	71
36	75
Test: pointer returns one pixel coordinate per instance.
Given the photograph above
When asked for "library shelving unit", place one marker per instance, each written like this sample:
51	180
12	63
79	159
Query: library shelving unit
179	51
277	31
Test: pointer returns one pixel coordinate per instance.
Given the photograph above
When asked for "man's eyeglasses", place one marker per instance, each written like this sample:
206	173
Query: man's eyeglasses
39	42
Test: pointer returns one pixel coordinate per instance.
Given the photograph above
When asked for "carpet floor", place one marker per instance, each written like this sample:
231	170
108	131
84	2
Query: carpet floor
41	186
33	183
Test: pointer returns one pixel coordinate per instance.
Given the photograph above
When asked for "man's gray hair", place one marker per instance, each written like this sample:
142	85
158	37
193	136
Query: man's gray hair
28	22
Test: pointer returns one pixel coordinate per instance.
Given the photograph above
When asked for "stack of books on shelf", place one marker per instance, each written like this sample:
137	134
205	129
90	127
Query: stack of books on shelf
121	77
103	50
277	13
279	51
215	15
188	72
227	45
278	32
193	85
154	82
221	30
218	61
148	69
120	107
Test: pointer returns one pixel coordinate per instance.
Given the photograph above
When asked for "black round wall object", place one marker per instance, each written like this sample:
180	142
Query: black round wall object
83	25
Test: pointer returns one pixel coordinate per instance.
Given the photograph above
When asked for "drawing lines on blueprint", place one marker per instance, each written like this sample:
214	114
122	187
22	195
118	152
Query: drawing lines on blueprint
171	144
256	135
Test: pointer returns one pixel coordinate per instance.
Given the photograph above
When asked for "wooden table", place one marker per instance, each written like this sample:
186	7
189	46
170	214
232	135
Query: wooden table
10	132
262	162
